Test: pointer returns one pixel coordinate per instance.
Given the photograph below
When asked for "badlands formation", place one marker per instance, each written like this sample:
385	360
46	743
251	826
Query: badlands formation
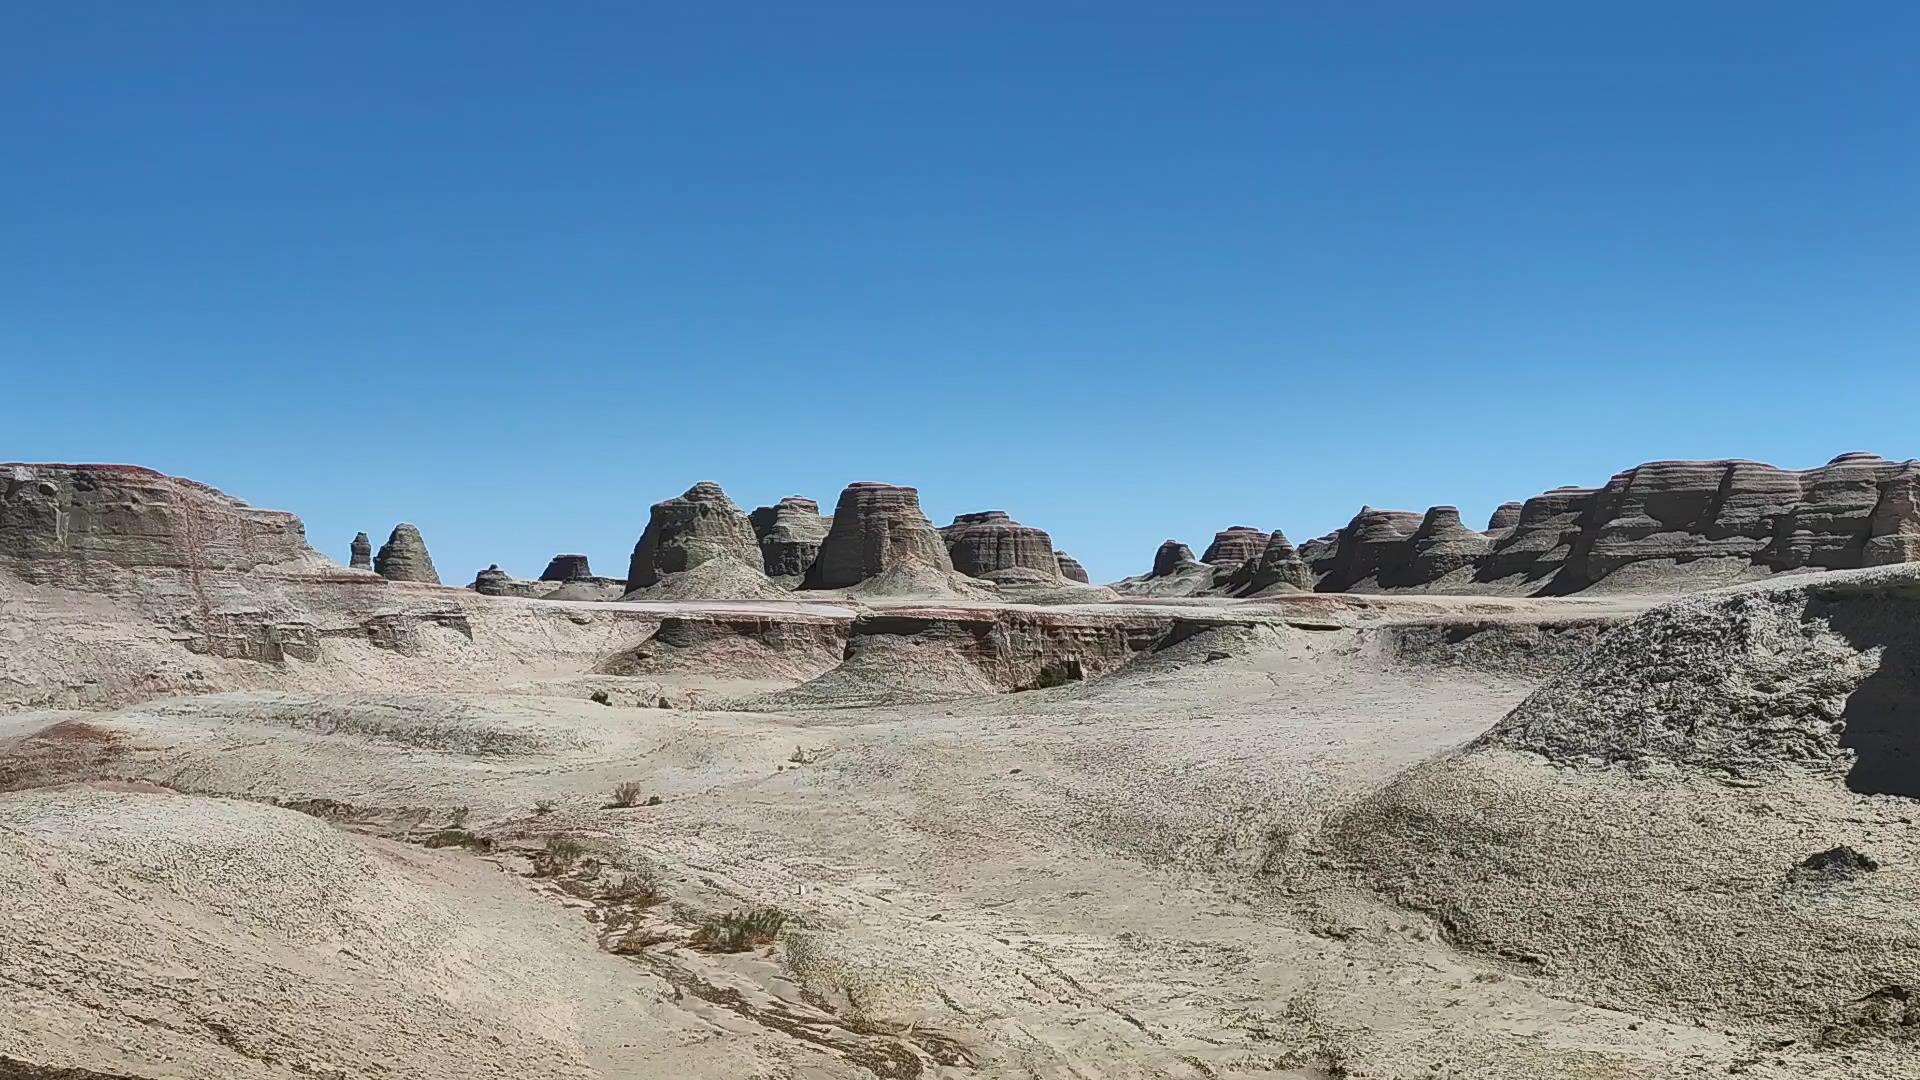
1623	786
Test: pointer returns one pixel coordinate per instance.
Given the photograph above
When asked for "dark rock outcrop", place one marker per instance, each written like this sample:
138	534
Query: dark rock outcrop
993	546
1439	547
1542	541
1373	542
404	557
1505	517
689	531
878	529
1279	568
494	581
1171	556
1234	545
360	552
567	568
1070	567
790	533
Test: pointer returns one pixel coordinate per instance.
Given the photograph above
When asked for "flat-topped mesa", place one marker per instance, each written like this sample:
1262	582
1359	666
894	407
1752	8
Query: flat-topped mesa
689	531
60	520
360	552
565	568
1171	556
1279	568
1373	545
790	533
992	546
1439	547
1505	517
494	581
1070	568
404	557
877	529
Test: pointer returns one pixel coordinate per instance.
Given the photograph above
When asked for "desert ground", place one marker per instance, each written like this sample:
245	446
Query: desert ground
329	825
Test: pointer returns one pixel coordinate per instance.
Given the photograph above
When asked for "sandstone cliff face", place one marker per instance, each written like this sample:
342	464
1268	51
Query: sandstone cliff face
1894	530
1170	557
1374	540
995	547
1542	541
1070	567
877	529
404	557
567	568
689	531
790	533
360	552
59	521
1439	547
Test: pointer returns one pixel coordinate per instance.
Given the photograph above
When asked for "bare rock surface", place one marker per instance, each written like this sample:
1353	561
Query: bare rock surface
1233	546
880	540
790	534
993	546
698	545
360	552
1070	567
565	568
1279	568
1175	573
1504	518
404	557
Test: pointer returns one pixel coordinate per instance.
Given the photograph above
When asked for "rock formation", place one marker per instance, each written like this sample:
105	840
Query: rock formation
689	531
1505	517
1542	540
993	546
1234	545
790	533
1170	557
567	568
1375	540
1279	568
494	581
1439	547
1070	567
404	557
360	553
877	529
1894	530
58	521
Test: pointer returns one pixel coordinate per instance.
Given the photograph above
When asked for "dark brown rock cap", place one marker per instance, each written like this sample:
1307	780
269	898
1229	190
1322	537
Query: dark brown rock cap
567	568
404	557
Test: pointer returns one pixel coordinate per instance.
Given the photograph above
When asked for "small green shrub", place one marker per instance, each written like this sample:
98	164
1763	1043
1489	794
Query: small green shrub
635	885
625	794
601	697
738	931
558	856
460	838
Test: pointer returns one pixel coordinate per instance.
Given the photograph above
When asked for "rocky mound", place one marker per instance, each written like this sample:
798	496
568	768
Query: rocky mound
1372	545
879	535
565	568
1070	567
1175	573
63	523
1278	569
1639	830
993	546
790	534
1505	517
1233	546
494	581
404	557
360	552
698	546
788	646
1440	548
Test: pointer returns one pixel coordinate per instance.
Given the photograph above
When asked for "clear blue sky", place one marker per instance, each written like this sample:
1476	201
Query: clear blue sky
1128	271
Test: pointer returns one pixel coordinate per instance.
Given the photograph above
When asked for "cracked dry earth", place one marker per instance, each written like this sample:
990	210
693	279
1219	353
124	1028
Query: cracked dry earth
1119	878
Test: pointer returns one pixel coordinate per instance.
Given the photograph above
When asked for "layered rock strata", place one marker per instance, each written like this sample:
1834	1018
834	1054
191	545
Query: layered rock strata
1234	545
360	552
404	557
993	546
878	529
1279	568
1505	517
567	568
790	533
1070	567
690	531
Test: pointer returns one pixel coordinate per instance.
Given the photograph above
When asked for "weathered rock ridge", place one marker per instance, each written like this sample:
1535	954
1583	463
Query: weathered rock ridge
1070	567
404	557
360	552
567	568
689	532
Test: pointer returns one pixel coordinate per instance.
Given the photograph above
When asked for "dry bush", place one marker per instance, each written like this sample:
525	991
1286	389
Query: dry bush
738	931
625	794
